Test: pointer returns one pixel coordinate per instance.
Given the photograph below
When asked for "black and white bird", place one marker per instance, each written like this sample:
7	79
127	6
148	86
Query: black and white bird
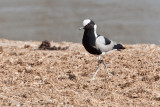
97	44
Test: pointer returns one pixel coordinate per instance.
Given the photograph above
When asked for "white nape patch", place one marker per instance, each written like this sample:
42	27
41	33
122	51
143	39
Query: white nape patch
86	21
95	29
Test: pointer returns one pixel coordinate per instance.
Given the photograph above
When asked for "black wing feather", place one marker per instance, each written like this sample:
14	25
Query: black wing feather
107	41
118	47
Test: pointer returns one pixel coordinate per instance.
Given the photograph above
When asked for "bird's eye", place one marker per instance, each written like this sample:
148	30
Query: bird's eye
89	24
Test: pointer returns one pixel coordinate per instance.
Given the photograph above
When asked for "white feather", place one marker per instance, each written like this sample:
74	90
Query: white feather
86	21
95	29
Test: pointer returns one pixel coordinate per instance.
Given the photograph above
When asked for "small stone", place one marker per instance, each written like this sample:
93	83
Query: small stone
134	95
37	78
27	46
28	69
16	73
40	61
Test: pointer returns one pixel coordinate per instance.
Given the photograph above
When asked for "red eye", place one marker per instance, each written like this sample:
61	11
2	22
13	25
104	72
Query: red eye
89	24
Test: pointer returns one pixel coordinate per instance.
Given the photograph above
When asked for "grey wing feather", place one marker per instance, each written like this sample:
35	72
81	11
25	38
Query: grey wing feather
104	44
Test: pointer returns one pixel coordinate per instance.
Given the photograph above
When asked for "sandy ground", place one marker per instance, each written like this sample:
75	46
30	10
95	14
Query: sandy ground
31	77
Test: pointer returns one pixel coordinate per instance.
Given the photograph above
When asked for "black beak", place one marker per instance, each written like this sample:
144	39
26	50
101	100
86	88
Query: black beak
81	28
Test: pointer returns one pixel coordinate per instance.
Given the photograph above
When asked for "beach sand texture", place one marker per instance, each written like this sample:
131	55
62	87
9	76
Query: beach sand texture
32	77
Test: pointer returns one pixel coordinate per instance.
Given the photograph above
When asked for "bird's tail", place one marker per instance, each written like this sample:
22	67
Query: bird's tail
118	47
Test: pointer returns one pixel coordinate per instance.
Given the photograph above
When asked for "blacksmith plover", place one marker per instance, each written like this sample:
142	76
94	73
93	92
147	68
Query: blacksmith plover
97	44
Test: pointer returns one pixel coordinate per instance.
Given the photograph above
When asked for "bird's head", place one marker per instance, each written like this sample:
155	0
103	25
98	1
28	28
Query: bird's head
87	24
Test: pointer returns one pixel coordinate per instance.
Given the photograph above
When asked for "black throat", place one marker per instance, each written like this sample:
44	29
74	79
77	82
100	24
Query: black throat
89	41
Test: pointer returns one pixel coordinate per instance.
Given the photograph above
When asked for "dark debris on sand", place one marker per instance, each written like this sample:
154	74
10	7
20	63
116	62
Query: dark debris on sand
46	45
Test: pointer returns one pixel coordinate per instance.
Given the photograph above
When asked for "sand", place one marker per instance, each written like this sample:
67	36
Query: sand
32	77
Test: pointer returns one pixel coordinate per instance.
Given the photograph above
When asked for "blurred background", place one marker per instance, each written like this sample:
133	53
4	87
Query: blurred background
125	21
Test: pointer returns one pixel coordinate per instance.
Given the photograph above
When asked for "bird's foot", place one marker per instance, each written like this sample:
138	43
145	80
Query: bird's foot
109	74
92	79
